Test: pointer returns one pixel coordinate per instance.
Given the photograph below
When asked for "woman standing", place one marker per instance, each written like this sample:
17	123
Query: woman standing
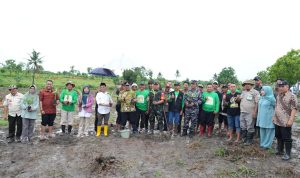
29	106
85	104
266	107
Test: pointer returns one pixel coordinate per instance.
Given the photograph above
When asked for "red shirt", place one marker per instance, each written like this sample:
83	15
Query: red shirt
48	99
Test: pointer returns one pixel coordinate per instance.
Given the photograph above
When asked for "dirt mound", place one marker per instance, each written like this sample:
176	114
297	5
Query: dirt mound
105	165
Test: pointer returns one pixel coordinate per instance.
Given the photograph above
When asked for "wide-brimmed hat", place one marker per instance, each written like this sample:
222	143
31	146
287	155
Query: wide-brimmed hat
70	82
12	87
250	82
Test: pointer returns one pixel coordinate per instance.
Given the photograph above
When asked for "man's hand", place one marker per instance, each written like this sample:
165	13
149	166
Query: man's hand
290	123
43	112
181	113
254	115
66	102
154	103
5	117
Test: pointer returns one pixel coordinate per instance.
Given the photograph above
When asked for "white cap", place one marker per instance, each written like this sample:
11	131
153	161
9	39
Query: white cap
134	85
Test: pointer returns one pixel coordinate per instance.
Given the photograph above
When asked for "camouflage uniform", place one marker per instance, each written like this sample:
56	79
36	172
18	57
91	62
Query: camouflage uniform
192	100
156	110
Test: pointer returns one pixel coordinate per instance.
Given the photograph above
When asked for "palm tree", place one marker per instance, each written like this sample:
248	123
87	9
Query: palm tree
35	62
177	74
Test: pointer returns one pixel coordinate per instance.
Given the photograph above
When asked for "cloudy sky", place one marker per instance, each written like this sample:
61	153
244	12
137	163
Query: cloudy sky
198	38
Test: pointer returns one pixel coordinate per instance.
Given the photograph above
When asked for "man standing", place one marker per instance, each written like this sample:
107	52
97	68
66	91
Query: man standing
223	110
285	112
141	106
184	91
248	106
104	102
175	108
68	98
127	98
167	92
12	112
156	102
192	101
49	99
210	108
258	83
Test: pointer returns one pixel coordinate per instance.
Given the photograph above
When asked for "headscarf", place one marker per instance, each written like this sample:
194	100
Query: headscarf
268	95
85	95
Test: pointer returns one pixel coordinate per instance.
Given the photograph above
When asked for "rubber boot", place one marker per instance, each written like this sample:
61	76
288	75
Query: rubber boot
105	130
279	149
288	148
69	129
99	130
210	130
184	133
250	136
63	128
202	129
175	131
244	136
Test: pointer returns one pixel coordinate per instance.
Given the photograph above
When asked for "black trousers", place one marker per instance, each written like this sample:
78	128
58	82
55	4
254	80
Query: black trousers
12	123
147	116
131	117
283	133
141	117
207	118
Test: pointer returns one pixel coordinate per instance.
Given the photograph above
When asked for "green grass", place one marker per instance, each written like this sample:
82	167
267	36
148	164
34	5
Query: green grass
297	120
24	80
3	122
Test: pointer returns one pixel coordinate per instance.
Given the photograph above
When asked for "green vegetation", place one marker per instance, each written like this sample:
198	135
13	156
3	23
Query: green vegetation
3	122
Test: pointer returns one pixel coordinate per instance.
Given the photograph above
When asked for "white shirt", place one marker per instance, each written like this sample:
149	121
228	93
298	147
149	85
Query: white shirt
103	99
13	102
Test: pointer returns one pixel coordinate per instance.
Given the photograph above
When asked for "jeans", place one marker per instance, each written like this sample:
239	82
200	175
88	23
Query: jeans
234	123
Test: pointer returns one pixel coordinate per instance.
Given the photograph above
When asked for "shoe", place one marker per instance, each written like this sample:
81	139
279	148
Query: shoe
10	140
52	135
18	140
42	138
184	133
25	140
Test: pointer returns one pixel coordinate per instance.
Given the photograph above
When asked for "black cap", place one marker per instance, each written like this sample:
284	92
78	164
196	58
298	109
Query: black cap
126	84
283	82
155	83
225	86
257	78
102	84
150	82
177	84
194	81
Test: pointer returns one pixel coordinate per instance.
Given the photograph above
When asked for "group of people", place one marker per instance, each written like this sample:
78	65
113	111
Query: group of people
254	109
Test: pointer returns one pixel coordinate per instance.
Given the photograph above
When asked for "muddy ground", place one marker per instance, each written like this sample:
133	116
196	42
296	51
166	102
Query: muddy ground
142	156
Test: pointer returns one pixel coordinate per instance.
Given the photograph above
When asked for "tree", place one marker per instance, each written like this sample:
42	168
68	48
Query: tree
89	69
159	76
35	62
150	74
287	67
227	75
177	74
10	65
215	77
129	75
264	76
72	70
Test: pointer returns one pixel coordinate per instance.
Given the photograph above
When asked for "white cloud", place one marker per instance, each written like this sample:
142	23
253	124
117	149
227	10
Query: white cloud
198	38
